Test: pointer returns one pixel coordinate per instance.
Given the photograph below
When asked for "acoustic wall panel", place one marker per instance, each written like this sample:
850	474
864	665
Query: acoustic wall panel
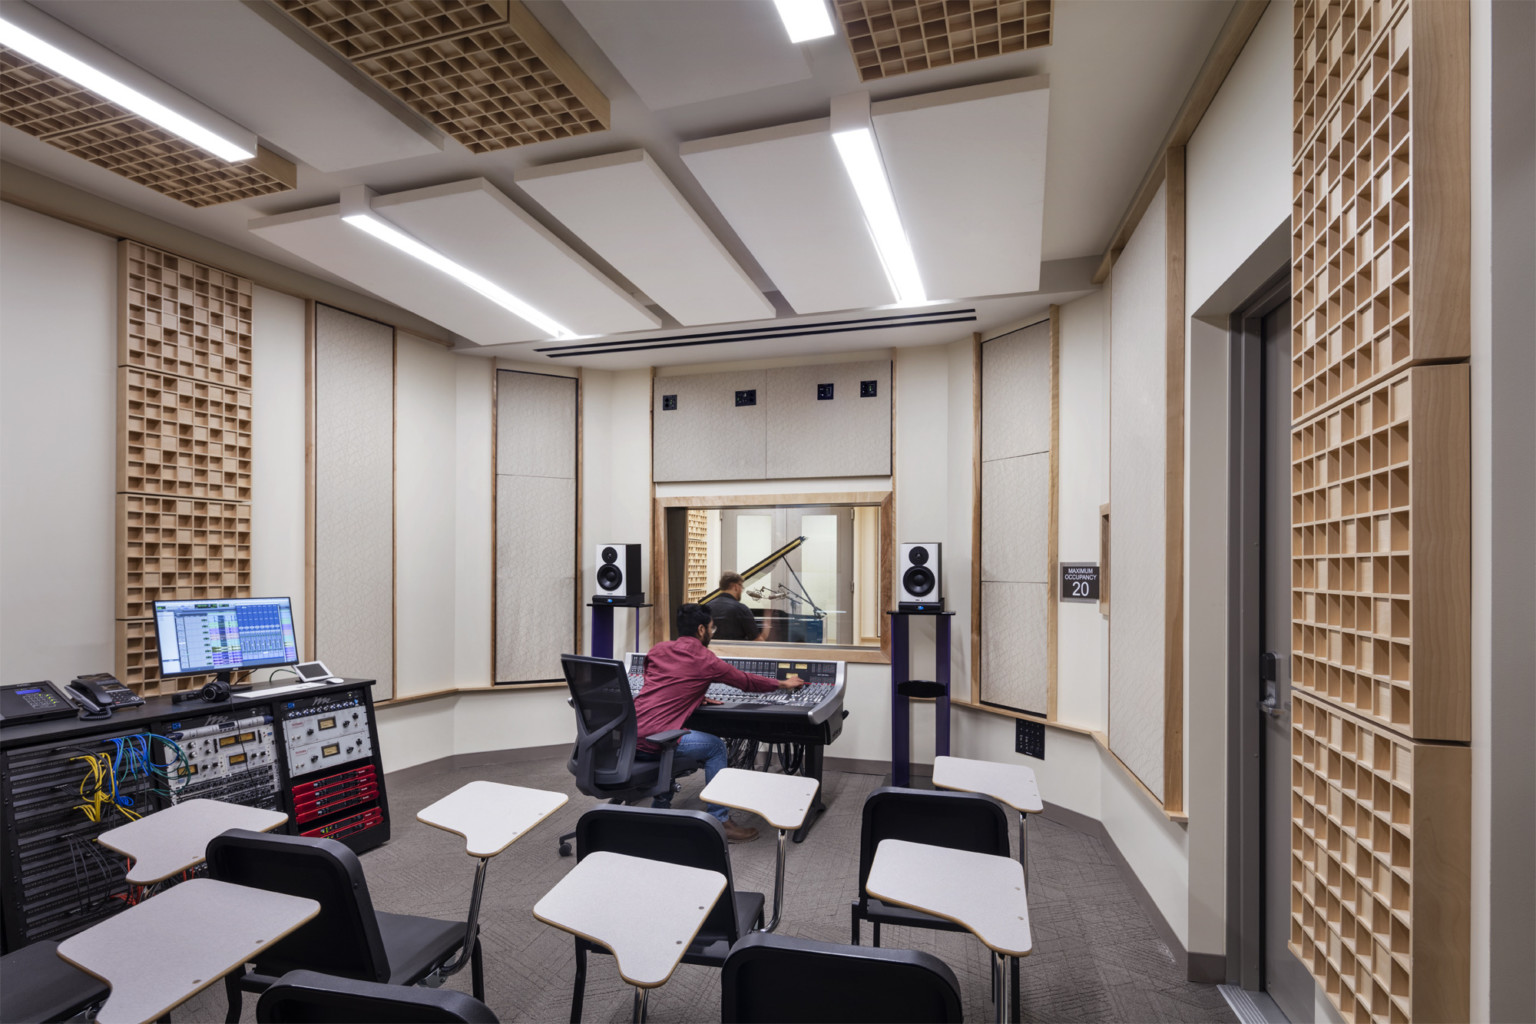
1017	521
536	539
705	435
845	435
1138	491
354	497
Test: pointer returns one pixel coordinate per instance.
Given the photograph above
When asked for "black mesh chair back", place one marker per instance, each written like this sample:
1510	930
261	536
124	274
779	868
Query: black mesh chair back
778	978
343	939
604	757
306	997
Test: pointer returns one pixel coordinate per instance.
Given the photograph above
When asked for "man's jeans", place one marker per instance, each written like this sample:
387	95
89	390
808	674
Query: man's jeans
701	746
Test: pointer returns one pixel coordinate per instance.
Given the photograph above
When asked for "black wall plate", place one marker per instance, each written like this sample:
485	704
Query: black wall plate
823	392
668	403
746	397
1029	738
868	388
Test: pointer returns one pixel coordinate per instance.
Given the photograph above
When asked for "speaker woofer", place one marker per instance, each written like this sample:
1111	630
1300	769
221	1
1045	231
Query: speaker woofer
918	580
609	576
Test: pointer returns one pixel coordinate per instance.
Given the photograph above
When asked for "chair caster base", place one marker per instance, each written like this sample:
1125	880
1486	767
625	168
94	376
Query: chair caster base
565	849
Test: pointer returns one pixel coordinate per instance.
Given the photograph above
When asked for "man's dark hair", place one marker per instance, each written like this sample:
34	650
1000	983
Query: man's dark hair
690	617
730	579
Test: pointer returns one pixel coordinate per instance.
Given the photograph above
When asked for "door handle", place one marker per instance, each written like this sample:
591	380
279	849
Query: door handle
1272	707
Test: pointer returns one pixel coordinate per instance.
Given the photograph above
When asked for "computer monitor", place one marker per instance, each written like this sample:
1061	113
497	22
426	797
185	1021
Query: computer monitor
224	635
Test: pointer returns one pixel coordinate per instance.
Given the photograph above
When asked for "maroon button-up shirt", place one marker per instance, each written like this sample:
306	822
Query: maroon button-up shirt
677	674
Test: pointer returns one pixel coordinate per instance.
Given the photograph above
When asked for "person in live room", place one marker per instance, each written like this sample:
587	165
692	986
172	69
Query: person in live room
677	675
733	620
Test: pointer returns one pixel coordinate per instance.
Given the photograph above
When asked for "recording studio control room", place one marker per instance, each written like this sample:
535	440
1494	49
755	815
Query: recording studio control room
767	511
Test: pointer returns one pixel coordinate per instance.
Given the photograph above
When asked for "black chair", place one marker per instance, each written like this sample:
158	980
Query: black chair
605	761
960	821
38	987
308	997
348	938
690	838
772	978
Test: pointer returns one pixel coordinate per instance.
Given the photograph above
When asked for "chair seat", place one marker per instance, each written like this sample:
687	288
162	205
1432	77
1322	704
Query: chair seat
889	913
711	950
40	986
415	945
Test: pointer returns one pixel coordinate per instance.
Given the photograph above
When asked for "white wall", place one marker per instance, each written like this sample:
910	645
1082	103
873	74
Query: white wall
277	453
472	518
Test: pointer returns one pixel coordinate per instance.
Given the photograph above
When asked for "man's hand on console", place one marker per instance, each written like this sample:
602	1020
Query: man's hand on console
791	683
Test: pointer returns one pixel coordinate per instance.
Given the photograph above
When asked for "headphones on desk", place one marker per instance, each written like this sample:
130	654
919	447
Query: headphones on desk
214	693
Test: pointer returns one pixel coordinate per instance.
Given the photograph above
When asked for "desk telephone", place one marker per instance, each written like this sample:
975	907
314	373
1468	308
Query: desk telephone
100	694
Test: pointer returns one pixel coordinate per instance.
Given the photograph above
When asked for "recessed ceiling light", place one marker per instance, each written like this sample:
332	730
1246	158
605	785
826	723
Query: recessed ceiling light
854	136
31	45
356	211
804	20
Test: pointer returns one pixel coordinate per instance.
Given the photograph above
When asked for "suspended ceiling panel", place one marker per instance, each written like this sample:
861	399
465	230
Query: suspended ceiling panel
631	214
484	71
237	62
689	51
893	37
473	223
784	192
967	167
320	236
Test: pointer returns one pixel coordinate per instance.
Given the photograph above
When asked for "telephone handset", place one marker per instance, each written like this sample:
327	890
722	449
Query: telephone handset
100	694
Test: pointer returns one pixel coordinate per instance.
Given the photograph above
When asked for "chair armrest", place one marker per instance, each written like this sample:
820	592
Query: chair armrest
666	739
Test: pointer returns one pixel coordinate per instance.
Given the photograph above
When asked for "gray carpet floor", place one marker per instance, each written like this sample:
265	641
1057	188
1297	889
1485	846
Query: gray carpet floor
1097	956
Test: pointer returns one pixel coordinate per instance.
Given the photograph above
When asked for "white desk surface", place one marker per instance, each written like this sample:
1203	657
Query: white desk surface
161	952
783	800
980	891
175	839
1013	784
491	816
645	912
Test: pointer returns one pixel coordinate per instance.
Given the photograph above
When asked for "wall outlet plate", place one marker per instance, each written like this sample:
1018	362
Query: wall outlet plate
668	403
823	392
748	397
1029	738
868	388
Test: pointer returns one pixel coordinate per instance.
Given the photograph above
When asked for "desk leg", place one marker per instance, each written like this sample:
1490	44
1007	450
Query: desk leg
642	996
1024	851
814	753
778	884
1000	972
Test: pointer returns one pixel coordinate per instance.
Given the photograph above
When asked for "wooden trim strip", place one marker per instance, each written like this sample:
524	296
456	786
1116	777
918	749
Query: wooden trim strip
311	480
1173	524
975	519
1053	552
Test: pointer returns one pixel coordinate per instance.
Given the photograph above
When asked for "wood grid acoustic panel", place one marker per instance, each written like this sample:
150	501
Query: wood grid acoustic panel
1382	185
1379	846
44	104
1381	498
183	446
894	37
484	71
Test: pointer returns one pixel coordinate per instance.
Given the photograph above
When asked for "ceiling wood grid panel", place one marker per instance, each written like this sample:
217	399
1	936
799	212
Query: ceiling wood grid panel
894	37
54	109
485	72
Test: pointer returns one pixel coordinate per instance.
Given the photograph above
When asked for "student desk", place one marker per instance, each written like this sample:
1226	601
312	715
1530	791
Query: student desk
782	800
171	841
1013	784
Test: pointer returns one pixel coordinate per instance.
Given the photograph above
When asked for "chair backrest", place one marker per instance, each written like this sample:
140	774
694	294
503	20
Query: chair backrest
303	996
960	821
780	978
691	838
605	722
343	939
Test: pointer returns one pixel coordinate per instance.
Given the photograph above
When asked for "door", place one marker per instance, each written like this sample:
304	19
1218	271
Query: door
1285	979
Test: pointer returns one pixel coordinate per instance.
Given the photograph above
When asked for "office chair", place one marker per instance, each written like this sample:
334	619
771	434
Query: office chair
308	997
348	938
770	978
604	760
40	987
959	821
690	838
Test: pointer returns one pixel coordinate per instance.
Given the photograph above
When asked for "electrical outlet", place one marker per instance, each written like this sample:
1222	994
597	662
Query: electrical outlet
668	403
746	397
868	388
1029	738
823	392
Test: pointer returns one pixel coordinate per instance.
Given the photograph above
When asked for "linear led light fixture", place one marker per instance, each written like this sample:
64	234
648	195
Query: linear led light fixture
853	133
92	66
357	210
804	20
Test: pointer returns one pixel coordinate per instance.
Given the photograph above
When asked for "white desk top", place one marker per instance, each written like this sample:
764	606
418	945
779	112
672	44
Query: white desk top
645	912
1013	784
783	800
161	952
175	839
490	815
981	891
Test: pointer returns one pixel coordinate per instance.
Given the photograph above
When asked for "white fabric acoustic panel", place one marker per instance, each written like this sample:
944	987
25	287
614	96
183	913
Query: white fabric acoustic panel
535	525
707	436
845	435
1138	466
354	497
1016	552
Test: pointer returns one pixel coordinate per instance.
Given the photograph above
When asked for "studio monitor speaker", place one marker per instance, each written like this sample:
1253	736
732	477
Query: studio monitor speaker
917	579
618	575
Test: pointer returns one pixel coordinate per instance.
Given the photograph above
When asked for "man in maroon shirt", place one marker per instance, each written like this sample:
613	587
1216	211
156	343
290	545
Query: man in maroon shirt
677	675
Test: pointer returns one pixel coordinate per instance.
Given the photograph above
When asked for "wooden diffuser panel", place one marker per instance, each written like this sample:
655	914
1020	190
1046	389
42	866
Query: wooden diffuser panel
1379	836
183	437
56	110
893	37
1381	497
183	318
138	659
176	549
1382	181
484	71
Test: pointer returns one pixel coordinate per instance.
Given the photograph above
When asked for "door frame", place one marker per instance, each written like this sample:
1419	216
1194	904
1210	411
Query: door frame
1245	539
